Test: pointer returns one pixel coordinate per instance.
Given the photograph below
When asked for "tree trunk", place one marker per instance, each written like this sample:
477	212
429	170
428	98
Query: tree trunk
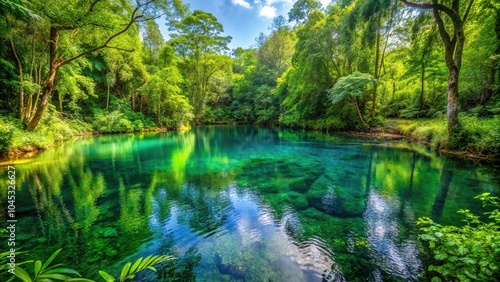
21	91
376	72
359	113
60	96
133	99
50	82
454	46
47	90
422	89
107	98
452	108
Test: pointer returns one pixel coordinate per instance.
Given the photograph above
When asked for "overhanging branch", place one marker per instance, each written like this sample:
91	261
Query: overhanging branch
133	19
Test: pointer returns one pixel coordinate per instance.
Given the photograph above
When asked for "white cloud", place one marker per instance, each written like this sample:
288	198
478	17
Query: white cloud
268	12
242	3
325	2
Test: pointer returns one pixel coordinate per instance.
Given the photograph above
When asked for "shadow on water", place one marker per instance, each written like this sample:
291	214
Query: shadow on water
242	204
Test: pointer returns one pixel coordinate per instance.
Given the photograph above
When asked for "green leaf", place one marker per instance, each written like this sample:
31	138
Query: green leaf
107	277
441	256
62	270
125	270
135	265
38	266
436	279
22	274
53	276
144	263
49	261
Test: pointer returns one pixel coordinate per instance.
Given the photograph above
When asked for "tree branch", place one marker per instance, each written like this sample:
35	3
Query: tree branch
427	6
133	19
120	49
467	11
442	29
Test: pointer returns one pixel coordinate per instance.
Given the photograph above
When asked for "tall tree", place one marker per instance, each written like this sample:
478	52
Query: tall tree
199	43
454	40
301	9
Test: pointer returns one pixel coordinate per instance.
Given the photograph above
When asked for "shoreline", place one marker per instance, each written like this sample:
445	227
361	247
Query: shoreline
379	133
383	132
31	151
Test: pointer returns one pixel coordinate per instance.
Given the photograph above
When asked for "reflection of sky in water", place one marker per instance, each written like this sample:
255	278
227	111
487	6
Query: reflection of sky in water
393	254
251	233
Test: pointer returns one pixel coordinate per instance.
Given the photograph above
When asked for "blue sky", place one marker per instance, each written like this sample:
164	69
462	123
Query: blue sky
243	19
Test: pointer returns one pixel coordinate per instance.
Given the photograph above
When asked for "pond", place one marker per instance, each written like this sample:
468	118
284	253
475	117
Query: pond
238	203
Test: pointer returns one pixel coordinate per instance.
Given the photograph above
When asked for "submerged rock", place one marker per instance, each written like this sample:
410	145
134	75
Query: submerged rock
235	271
336	200
280	174
298	200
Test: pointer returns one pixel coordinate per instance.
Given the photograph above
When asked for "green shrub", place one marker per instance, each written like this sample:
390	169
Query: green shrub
6	133
468	253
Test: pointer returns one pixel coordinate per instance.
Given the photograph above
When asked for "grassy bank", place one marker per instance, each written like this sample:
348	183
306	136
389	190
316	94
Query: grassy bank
480	137
54	128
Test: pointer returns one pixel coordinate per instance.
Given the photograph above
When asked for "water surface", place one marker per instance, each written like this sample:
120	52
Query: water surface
242	203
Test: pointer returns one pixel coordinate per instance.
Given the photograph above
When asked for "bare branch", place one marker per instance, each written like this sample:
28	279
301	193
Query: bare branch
120	49
467	11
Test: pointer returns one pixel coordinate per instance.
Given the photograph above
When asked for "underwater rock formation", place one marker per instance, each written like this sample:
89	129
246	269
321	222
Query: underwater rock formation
235	271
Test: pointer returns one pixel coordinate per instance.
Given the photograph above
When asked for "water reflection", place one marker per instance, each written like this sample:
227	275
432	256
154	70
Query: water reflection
243	203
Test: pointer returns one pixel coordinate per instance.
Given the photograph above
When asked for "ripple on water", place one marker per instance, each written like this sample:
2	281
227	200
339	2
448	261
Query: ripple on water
397	258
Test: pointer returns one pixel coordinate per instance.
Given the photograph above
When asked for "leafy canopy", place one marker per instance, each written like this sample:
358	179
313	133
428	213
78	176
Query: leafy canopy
354	85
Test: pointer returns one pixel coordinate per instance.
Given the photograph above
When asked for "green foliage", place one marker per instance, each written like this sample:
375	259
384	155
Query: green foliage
114	121
48	272
120	118
171	109
129	271
477	135
53	128
467	253
6	133
354	85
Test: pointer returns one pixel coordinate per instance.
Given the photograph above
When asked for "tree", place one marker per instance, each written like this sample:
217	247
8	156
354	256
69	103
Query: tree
454	40
354	86
198	42
63	24
170	108
301	9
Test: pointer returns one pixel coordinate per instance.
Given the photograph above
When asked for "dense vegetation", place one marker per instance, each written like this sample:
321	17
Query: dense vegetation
467	253
100	65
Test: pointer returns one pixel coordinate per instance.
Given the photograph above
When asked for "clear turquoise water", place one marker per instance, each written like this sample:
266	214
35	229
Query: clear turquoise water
255	204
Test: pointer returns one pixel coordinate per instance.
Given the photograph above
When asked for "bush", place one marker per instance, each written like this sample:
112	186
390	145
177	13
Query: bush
6	132
116	121
468	253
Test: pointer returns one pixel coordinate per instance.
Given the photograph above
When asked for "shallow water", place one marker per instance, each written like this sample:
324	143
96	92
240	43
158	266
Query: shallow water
255	204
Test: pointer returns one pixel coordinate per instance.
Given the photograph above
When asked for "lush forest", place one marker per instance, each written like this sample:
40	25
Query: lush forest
70	67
